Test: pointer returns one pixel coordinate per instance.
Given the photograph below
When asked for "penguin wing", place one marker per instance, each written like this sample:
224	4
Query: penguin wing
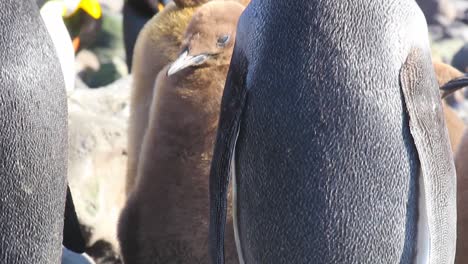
232	103
429	132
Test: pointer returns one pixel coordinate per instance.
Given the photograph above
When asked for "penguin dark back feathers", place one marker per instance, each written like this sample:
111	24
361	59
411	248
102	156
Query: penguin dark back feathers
323	127
33	156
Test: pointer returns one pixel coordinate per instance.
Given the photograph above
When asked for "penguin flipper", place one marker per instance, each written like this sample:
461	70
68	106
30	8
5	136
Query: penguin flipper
231	110
454	85
429	132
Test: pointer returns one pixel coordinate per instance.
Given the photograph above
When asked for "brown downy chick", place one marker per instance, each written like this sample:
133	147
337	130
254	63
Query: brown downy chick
455	125
461	165
157	44
446	74
166	216
189	3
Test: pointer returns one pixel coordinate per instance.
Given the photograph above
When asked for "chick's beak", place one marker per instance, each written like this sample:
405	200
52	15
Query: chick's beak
92	7
185	61
454	85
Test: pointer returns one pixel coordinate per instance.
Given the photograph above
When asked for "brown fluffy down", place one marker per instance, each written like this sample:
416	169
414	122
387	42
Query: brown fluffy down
461	165
455	125
157	44
166	216
459	142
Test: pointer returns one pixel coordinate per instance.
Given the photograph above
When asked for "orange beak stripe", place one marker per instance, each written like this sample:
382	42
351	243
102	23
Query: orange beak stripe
76	44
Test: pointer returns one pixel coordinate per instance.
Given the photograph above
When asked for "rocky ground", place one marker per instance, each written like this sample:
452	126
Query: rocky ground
98	135
98	120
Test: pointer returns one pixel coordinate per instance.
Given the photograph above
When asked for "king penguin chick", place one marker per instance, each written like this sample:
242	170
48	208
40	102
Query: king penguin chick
157	45
461	165
165	219
451	80
455	125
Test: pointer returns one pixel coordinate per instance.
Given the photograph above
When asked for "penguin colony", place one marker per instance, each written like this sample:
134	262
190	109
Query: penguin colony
144	157
169	204
380	189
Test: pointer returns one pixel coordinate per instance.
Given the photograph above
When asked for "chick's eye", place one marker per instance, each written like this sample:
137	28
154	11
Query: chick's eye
223	40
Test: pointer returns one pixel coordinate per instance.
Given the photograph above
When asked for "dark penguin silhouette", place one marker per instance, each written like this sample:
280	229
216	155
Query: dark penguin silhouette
135	15
165	219
33	156
332	127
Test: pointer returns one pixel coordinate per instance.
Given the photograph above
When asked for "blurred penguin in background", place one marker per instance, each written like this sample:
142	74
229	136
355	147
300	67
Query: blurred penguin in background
136	14
53	13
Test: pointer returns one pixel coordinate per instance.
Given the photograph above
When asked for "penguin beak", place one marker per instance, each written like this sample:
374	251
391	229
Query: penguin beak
185	61
454	85
91	7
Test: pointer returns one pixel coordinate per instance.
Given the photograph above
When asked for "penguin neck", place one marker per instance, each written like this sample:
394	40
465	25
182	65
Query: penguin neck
174	168
189	107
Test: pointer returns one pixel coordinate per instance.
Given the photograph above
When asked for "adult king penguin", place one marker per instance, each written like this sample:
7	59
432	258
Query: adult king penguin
332	127
33	156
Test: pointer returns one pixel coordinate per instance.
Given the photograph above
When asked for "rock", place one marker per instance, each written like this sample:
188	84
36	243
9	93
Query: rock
112	5
79	84
445	49
70	257
110	52
85	60
97	160
457	30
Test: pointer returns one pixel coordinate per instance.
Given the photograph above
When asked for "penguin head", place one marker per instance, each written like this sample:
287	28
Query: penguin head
210	35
